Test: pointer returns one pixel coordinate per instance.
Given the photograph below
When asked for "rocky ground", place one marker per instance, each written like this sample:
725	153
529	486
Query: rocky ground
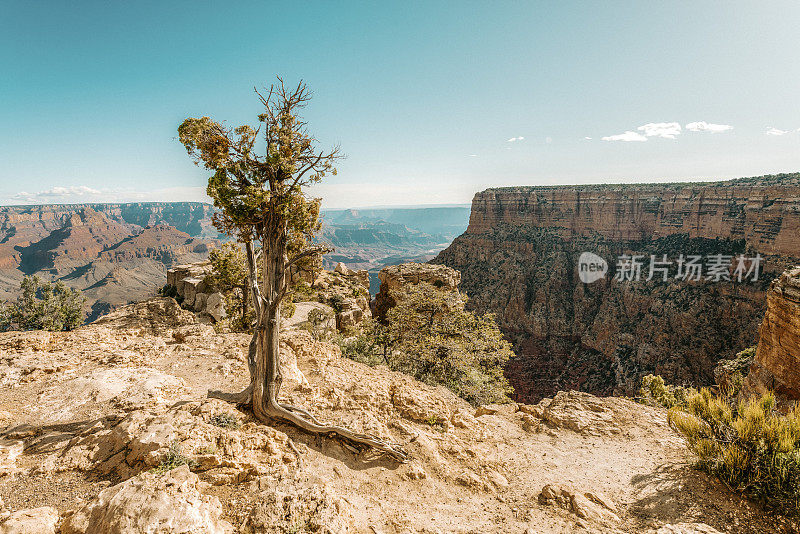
107	429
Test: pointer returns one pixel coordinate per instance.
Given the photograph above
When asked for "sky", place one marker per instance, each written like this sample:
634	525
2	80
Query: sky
430	101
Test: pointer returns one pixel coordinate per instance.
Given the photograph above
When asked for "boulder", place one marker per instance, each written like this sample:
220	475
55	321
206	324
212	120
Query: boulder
200	302
152	503
591	506
32	521
395	278
215	306
342	269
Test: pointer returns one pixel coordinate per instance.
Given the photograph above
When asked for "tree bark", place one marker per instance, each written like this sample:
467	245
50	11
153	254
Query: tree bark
263	358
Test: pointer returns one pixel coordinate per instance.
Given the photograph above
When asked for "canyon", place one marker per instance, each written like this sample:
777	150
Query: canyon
119	253
518	259
114	253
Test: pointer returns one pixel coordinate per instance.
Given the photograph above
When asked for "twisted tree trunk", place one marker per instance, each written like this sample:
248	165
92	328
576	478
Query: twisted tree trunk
263	359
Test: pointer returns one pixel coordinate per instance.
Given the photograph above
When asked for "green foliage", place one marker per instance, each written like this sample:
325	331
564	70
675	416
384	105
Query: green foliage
225	420
430	336
318	321
171	291
287	309
655	391
229	276
748	445
228	268
303	292
730	373
43	306
366	346
336	302
260	194
206	449
172	459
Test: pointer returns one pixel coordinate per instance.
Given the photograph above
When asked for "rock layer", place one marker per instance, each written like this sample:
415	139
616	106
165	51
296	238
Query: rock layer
776	365
518	259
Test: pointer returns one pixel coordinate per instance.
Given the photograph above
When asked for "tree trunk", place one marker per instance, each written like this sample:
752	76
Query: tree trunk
264	362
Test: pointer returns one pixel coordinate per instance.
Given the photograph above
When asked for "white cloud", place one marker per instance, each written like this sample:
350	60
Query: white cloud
776	131
473	155
83	194
627	136
666	130
548	140
589	138
515	139
703	126
57	193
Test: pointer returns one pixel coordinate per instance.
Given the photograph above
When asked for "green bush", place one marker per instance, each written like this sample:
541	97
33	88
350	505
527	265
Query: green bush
43	306
172	459
748	445
430	336
655	391
318	321
225	420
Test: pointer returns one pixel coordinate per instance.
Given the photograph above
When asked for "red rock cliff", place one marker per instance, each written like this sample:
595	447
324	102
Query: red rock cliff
776	365
518	260
766	215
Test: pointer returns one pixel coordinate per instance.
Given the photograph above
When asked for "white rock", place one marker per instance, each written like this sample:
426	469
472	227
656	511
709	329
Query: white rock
32	521
150	503
215	306
341	268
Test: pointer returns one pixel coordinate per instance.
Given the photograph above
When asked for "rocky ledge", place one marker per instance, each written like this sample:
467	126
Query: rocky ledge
776	365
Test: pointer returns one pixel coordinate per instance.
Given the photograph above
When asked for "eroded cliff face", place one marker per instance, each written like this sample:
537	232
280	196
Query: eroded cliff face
518	258
777	361
113	253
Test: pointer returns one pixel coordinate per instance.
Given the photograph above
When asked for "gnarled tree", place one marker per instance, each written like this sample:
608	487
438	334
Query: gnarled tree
259	181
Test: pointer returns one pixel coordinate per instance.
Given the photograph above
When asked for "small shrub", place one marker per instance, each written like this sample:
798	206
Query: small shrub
655	391
287	309
206	449
43	306
168	291
318	321
302	292
435	422
225	420
336	302
748	445
362	347
172	459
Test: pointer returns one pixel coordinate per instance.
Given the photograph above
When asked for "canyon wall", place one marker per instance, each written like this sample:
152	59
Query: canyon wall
113	253
518	259
776	365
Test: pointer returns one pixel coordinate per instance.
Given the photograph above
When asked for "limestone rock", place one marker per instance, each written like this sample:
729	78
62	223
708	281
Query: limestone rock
215	306
126	388
341	268
150	503
395	278
10	450
579	412
776	365
518	259
588	505
32	521
317	508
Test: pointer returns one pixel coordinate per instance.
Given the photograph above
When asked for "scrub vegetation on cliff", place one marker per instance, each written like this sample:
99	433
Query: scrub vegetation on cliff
429	335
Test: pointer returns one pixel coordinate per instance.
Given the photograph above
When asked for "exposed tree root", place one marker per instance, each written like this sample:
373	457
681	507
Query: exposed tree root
304	420
243	398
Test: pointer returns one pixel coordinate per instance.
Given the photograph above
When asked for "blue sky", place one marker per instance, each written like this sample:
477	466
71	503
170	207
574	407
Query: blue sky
424	97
